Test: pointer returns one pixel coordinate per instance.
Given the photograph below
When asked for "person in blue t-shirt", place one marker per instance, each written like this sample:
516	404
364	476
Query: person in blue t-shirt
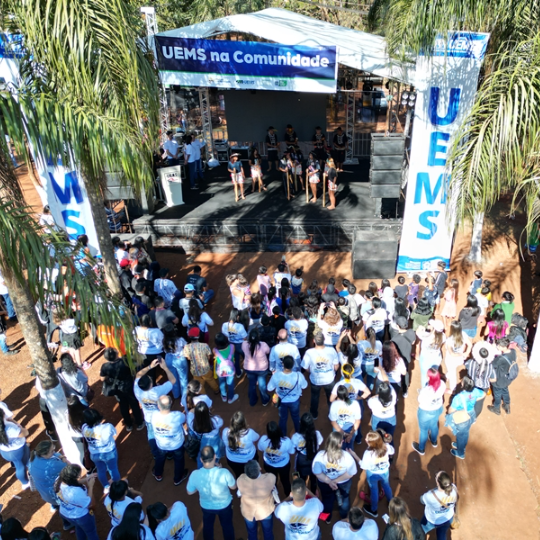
237	175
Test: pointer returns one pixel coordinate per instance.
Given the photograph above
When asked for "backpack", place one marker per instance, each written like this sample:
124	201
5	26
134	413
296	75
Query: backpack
513	371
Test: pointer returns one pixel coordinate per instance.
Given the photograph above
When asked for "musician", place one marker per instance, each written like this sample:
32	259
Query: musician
255	163
272	146
332	182
341	142
237	175
296	159
290	137
319	145
314	175
285	168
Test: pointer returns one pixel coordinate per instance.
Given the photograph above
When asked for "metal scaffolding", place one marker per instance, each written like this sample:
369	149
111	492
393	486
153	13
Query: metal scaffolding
349	130
151	30
206	119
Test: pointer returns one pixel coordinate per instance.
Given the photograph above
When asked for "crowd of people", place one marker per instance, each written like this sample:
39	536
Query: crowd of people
288	338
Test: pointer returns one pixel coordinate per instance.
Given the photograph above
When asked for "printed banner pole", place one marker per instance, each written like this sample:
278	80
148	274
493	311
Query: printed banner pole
446	84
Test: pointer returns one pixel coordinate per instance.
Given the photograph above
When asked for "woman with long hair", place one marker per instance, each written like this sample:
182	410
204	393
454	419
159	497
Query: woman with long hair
330	323
236	334
72	378
170	524
313	172
255	164
400	309
239	441
421	314
376	463
76	421
392	368
449	310
100	437
195	316
13	447
44	467
430	408
383	408
345	416
307	441
120	496
332	176
440	505
468	316
132	526
256	366
224	367
348	352
205	427
371	351
497	327
256	310
401	526
458	346
195	394
277	450
480	370
432	339
414	289
335	469
75	495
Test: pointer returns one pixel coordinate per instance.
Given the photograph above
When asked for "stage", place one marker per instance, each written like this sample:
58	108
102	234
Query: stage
211	220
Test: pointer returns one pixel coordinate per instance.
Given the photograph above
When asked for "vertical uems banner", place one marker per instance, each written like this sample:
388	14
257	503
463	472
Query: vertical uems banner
446	85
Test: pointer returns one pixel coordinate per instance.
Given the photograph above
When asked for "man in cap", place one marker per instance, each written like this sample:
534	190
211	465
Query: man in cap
189	292
200	358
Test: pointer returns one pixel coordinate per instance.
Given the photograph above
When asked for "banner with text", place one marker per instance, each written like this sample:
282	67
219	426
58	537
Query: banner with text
246	65
446	84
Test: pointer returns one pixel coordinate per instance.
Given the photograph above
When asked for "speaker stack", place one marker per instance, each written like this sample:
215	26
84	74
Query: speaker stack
386	164
374	254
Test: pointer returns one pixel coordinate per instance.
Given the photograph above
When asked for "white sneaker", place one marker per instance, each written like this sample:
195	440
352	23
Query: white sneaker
234	398
224	398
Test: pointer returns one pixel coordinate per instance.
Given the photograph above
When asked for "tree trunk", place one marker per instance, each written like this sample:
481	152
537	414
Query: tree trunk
104	237
39	352
534	359
475	254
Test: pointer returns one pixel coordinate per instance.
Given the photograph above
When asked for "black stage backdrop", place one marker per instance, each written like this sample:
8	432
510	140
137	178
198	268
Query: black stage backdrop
250	114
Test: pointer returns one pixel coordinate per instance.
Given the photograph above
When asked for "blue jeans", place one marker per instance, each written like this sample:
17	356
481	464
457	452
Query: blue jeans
441	529
255	377
426	361
370	379
192	172
199	169
226	386
284	408
179	462
208	295
347	445
471	332
3	343
151	439
85	527
179	367
373	481
329	495
267	525
375	421
19	458
9	306
428	421
237	357
225	516
106	461
461	431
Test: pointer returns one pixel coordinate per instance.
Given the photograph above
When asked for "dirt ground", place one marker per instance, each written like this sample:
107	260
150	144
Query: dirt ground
498	482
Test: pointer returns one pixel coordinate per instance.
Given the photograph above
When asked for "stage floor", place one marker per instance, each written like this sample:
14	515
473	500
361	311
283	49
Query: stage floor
213	217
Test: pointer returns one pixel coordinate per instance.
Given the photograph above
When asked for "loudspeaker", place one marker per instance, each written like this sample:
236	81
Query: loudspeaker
385	191
391	145
374	254
385	177
242	150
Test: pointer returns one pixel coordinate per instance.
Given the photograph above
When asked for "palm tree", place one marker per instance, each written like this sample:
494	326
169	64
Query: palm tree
87	95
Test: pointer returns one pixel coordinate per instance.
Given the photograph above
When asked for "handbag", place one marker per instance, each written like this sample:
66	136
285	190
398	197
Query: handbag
455	523
276	400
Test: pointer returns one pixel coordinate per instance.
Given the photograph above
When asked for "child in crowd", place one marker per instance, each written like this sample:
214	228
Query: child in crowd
449	310
401	289
263	280
297	282
476	283
314	289
414	287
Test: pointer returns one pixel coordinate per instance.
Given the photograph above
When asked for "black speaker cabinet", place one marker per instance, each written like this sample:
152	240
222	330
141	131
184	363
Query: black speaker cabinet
391	145
385	177
386	163
374	254
385	191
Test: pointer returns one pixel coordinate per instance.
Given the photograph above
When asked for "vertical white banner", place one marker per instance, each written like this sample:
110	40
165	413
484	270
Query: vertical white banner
446	85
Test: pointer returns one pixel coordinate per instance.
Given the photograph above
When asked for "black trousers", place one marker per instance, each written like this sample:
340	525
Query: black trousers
127	403
283	474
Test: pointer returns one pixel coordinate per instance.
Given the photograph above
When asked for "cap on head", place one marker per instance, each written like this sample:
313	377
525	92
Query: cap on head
189	288
124	263
194	332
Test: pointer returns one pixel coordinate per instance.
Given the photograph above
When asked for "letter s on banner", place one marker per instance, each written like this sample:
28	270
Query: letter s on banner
446	85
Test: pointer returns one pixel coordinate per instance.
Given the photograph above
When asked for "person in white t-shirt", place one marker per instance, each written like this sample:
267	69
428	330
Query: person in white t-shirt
277	451
100	437
345	416
288	386
297	329
13	447
376	318
132	525
440	505
355	527
283	272
330	323
322	363
165	287
392	368
281	350
239	442
334	469
168	429
376	463
147	394
430	408
383	408
119	498
170	524
172	150
299	514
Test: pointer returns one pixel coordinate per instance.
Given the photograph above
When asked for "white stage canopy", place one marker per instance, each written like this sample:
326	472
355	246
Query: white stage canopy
355	49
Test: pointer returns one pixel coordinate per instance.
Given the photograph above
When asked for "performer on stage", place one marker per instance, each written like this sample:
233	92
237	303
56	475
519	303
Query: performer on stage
237	175
284	167
319	144
332	183
341	142
290	137
172	150
255	163
272	148
314	175
296	164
